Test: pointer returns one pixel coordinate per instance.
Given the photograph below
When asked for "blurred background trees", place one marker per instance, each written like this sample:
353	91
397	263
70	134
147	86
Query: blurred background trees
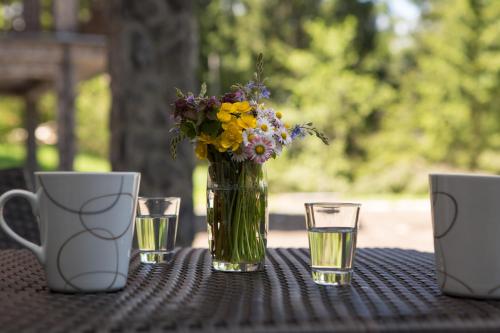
402	88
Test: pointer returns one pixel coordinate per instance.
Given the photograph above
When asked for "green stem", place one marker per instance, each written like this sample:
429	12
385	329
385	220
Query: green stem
238	212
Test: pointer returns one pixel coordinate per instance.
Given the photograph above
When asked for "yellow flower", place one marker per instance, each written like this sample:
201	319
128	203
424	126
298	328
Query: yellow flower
206	139
279	115
201	150
225	111
231	137
231	123
226	107
242	107
229	111
247	120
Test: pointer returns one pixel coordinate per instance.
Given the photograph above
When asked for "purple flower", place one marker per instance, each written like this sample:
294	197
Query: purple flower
265	93
180	105
210	106
213	103
297	132
250	85
185	108
190	99
233	97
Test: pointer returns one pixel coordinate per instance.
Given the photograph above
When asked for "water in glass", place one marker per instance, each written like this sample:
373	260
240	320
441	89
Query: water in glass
156	236
156	228
332	250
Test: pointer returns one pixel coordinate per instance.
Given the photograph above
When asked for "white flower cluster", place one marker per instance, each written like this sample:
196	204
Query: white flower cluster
266	140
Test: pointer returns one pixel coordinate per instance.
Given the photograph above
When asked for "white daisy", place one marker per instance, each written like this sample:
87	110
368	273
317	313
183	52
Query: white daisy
278	148
265	126
239	155
248	134
269	114
283	136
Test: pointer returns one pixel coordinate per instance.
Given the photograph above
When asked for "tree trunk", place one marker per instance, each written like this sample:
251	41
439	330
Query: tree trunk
152	49
31	14
31	123
66	111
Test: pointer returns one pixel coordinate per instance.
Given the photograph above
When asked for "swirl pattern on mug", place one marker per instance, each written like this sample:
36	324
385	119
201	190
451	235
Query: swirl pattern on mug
442	229
449	203
98	233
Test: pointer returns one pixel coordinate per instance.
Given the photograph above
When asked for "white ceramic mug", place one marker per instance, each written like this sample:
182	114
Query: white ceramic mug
86	225
466	224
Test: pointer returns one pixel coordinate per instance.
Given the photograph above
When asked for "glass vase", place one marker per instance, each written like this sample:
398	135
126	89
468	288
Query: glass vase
237	216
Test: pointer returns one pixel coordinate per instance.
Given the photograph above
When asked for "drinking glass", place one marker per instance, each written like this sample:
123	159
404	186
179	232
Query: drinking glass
156	228
332	229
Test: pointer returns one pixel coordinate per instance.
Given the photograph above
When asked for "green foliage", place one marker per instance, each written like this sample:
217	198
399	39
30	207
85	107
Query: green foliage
92	107
320	67
92	115
235	32
448	102
327	90
211	127
13	155
189	129
10	115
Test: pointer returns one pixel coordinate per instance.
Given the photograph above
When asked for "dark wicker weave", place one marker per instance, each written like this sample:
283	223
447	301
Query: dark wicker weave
17	211
393	289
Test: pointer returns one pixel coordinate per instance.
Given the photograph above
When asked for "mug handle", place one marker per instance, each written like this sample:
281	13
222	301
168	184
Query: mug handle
33	200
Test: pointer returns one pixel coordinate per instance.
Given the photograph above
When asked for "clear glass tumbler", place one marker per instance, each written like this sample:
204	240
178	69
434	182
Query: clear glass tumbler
332	230
156	228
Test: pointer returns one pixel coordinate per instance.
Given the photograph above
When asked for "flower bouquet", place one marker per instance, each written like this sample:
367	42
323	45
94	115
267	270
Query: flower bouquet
237	134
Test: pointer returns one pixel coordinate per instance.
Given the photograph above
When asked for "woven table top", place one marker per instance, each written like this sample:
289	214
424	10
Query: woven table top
392	289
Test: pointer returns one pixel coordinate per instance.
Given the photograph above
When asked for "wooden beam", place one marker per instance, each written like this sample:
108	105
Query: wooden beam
40	59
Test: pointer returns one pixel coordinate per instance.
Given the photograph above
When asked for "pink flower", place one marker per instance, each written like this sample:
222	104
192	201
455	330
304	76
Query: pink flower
259	149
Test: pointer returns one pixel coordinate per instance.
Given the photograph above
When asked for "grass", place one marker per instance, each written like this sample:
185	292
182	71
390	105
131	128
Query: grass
200	185
14	155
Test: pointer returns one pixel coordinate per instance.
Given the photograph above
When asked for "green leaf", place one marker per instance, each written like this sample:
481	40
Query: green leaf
259	68
189	129
210	127
212	114
174	143
203	90
179	93
236	86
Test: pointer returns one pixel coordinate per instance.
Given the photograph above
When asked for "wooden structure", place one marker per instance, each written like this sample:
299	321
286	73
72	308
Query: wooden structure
32	61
